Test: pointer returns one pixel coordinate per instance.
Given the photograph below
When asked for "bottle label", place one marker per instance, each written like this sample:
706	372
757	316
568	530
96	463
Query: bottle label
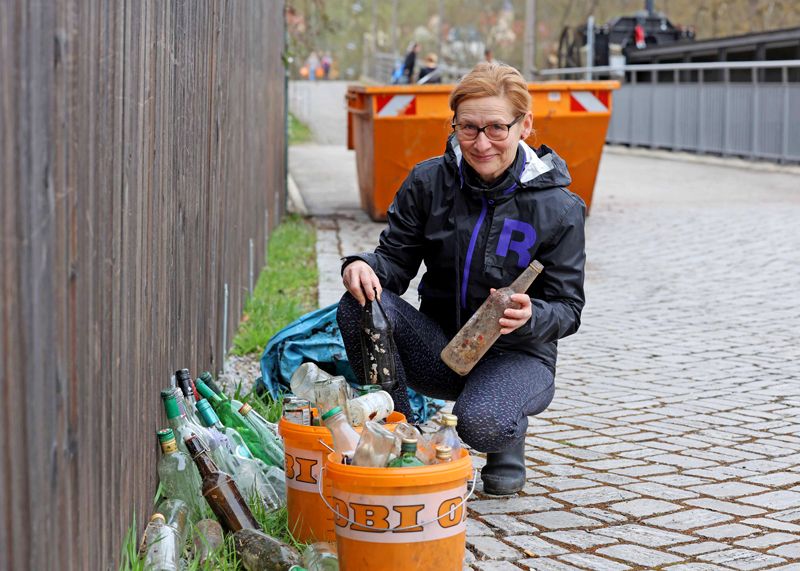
410	518
302	469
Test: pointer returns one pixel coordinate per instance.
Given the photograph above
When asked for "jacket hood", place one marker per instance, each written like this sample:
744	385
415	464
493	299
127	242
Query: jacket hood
543	168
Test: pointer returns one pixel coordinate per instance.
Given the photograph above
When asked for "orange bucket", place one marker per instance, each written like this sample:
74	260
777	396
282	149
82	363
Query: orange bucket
305	455
399	518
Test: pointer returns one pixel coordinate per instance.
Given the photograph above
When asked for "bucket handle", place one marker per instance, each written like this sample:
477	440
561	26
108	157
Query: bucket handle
408	527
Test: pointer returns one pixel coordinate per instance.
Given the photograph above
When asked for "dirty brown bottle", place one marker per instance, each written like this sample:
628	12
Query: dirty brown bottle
221	492
483	328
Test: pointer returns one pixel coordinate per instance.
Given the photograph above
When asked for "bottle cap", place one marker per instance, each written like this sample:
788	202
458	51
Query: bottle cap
245	408
366	389
157	517
331	412
205	376
207	413
444	451
408	445
165	435
448	420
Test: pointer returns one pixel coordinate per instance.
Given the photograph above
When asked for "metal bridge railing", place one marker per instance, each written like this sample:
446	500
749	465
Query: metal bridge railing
742	109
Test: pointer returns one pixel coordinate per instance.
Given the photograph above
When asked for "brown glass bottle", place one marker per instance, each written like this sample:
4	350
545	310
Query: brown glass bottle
221	492
483	328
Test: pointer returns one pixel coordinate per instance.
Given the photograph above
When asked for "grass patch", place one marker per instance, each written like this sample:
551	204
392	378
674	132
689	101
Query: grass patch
286	288
299	132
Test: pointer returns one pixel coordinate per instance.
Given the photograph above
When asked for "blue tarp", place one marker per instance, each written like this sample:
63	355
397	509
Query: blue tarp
315	338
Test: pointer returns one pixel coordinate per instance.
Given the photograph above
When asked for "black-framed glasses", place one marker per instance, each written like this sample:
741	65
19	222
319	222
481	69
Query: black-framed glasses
493	131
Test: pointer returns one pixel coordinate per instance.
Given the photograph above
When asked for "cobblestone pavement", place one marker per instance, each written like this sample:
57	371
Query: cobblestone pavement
673	441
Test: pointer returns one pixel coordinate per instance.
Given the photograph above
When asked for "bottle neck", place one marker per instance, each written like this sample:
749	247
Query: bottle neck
525	279
169	447
205	464
206	392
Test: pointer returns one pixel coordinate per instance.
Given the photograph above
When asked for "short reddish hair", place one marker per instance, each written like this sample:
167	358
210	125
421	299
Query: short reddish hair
492	79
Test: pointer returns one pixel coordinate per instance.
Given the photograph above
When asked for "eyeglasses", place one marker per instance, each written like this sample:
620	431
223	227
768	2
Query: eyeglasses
493	132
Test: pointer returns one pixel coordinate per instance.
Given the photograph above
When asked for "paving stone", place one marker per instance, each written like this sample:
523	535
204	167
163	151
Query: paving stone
742	559
602	515
563	470
579	538
688	519
609	478
791	551
728	490
646	470
544	564
644	535
779	500
561	484
678	480
698	548
696	567
560	520
491	548
767	540
475	528
535	546
725	507
507	524
495	566
589	496
660	491
513	505
775	479
685	462
720	473
637	555
787	515
610	464
644	507
727	531
773	524
593	562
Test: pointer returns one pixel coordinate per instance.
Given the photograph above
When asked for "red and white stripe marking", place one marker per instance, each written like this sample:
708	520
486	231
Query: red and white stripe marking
396	105
589	101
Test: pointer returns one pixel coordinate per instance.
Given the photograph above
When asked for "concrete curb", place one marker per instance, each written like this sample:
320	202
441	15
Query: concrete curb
296	203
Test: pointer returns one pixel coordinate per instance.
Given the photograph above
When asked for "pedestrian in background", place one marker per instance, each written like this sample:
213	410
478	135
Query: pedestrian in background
477	216
313	64
410	62
326	63
430	70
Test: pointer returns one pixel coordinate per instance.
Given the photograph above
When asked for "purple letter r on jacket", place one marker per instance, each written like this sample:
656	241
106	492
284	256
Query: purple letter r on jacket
521	247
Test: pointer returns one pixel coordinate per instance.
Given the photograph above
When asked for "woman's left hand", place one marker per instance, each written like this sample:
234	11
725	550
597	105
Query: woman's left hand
513	319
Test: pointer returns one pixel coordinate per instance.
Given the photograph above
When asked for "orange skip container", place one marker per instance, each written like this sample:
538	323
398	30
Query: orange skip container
309	519
399	518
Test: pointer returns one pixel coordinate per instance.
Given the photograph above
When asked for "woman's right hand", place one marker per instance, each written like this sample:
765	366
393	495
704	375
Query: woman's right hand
360	280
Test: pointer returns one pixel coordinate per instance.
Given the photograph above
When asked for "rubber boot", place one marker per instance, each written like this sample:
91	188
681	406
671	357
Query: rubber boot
504	472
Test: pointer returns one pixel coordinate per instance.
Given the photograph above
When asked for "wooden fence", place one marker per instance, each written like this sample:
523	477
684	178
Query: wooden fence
142	148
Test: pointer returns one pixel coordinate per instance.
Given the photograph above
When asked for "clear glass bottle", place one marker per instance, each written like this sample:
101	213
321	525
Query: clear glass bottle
181	427
408	456
376	405
208	537
176	513
160	547
375	446
221	492
178	475
447	435
192	419
183	380
482	329
268	441
321	556
345	438
330	393
444	454
250	473
297	410
303	379
377	346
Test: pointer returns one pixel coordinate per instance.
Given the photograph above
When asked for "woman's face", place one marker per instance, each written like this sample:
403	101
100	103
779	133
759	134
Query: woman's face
491	158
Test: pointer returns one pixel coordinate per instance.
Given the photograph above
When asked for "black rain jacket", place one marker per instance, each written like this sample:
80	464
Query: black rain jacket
473	238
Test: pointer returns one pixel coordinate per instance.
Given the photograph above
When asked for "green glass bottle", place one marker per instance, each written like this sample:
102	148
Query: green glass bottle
227	411
178	475
408	455
206	377
268	440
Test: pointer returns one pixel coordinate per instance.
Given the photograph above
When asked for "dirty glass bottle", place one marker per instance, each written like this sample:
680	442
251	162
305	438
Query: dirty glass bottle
482	329
221	492
345	438
160	548
377	346
178	475
375	446
375	405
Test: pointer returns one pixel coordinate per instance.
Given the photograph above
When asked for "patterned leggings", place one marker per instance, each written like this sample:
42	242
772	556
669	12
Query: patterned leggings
492	402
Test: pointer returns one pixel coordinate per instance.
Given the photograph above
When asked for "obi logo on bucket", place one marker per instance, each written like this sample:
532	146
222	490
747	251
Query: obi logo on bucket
302	469
400	519
519	237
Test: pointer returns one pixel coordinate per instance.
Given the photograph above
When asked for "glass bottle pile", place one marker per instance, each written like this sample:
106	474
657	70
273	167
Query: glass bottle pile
319	398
